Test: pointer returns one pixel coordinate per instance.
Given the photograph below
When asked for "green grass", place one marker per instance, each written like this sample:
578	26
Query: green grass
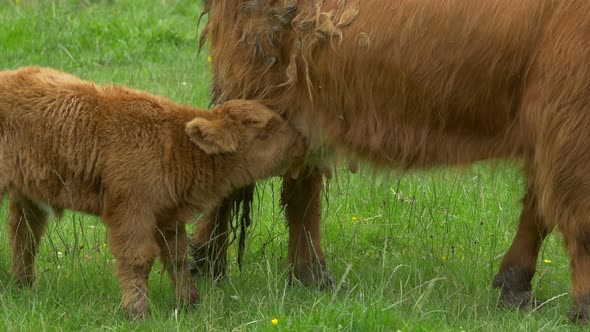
420	257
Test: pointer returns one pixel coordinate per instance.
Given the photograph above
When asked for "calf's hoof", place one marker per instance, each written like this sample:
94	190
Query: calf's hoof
190	297
26	281
515	288
579	312
313	275
138	310
206	262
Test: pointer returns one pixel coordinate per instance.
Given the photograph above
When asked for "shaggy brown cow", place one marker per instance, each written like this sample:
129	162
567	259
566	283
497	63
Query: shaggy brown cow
420	84
141	162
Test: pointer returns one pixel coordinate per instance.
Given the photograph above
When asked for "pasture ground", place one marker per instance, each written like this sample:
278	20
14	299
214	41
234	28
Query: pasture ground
411	251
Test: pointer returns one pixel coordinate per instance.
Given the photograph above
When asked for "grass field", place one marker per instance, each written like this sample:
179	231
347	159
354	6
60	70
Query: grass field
411	251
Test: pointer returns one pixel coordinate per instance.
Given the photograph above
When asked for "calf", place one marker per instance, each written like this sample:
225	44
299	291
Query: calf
140	161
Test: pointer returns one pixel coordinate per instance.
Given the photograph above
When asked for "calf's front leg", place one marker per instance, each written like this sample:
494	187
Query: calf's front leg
173	243
209	243
132	241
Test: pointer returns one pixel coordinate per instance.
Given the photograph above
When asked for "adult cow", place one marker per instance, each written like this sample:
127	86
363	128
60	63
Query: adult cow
420	83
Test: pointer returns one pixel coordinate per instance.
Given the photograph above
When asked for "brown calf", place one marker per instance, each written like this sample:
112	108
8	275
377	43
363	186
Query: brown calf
419	83
143	163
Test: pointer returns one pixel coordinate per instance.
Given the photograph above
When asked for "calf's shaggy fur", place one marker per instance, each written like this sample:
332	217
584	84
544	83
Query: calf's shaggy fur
140	161
420	83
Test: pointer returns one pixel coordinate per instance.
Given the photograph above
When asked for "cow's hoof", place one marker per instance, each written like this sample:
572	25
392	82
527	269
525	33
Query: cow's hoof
313	275
206	262
515	288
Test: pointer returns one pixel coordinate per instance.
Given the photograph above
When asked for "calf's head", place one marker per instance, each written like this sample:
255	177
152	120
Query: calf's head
251	138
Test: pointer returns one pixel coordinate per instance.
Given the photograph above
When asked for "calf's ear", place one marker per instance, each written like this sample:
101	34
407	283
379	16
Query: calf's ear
212	136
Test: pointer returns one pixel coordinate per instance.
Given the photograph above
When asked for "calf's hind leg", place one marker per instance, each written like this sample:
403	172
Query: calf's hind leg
519	264
27	223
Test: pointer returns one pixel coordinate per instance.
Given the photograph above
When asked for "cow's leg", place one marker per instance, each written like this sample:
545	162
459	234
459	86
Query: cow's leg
210	241
567	202
132	239
519	264
173	242
301	198
27	225
577	240
562	176
559	122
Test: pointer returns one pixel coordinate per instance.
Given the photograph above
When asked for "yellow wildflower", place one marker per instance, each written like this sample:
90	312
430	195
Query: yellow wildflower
274	321
443	258
547	261
354	218
209	59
